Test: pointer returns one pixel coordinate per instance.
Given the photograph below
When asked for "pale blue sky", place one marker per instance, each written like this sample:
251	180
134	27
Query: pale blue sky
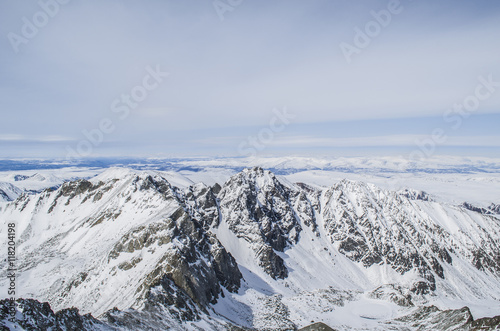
225	77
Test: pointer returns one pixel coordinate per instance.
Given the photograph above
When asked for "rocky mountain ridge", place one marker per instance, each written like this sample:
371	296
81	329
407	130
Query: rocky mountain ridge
129	247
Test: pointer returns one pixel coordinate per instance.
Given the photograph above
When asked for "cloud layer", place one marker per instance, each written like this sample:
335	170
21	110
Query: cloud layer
232	72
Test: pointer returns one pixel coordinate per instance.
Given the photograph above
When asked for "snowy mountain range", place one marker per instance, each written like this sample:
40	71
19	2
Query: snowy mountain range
259	251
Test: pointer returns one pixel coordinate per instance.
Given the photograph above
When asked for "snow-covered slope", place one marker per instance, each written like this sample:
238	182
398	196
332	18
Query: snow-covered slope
111	241
33	182
257	251
9	192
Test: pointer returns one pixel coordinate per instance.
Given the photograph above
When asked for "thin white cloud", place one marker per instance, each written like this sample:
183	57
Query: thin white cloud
11	137
305	141
53	138
381	141
27	138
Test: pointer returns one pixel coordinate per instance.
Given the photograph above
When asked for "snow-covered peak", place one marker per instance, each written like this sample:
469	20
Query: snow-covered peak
256	176
44	178
355	186
415	194
116	173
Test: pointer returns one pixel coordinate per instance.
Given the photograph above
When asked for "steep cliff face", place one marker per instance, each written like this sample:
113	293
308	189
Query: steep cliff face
256	207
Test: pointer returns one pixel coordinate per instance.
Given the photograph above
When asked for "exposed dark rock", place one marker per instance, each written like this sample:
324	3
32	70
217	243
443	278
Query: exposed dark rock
422	287
73	189
202	203
4	196
317	327
274	315
185	265
259	209
164	310
431	318
415	195
372	227
216	188
480	210
34	315
486	323
494	208
166	294
393	293
271	262
225	266
18	178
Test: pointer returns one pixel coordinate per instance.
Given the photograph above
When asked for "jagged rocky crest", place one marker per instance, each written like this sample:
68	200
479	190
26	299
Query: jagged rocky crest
259	209
33	315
